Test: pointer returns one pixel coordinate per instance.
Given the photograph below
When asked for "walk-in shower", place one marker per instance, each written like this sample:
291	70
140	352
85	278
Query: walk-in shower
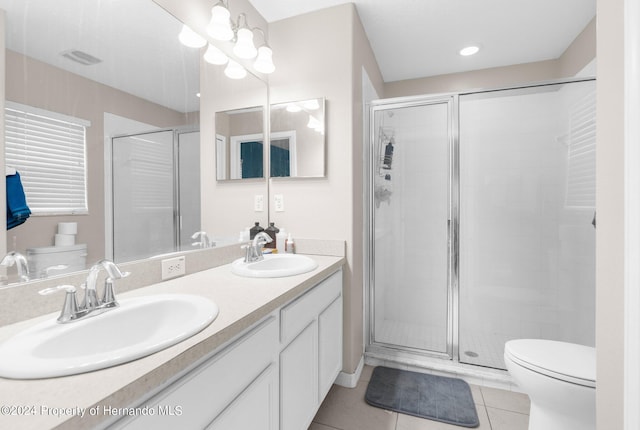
481	222
155	192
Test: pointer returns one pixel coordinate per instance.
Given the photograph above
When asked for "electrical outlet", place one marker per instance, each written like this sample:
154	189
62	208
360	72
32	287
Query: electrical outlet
278	201
173	267
258	203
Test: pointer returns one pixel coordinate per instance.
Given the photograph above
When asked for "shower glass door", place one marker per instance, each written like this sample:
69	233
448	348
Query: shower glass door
527	202
143	195
411	170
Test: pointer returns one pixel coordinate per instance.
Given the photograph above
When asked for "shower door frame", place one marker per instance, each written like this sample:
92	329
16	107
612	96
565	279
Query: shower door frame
452	222
110	188
383	350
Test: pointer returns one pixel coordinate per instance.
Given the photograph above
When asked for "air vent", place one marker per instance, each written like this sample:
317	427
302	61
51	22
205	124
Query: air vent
81	57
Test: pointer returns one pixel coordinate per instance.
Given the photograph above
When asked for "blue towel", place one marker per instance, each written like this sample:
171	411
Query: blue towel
17	209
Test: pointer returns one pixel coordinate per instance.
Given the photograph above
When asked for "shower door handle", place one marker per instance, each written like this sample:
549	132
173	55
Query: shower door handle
594	220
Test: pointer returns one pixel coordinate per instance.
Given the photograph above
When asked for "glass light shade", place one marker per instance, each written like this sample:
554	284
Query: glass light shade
220	26
313	123
190	38
235	70
215	56
244	47
264	62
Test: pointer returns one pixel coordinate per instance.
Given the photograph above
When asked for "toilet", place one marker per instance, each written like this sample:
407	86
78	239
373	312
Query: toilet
56	260
560	379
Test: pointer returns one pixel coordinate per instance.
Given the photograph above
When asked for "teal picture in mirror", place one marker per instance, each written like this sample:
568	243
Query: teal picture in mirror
297	140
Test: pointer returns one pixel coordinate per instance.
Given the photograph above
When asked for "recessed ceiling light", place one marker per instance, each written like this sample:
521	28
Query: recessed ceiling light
469	50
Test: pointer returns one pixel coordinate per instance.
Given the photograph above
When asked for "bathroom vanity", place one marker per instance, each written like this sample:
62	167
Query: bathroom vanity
266	362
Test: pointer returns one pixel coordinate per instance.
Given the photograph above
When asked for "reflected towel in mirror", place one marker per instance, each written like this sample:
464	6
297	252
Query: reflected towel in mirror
17	209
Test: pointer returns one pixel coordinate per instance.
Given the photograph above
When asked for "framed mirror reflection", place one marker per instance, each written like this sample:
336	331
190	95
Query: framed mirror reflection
240	144
297	141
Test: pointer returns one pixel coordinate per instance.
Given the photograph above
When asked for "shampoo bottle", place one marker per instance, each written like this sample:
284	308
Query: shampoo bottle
272	231
255	230
290	246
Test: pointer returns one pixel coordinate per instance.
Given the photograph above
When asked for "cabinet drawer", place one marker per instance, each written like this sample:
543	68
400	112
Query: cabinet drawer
205	391
298	314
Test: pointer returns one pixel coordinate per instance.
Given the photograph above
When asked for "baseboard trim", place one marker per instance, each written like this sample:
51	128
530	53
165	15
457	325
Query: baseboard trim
350	380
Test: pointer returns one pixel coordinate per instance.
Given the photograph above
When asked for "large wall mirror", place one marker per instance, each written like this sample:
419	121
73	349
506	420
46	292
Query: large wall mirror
297	144
141	102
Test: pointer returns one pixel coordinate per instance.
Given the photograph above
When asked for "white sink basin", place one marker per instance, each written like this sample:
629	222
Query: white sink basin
138	327
274	266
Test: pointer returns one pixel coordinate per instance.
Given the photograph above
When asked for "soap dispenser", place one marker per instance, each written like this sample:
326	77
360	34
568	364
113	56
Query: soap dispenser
257	228
272	231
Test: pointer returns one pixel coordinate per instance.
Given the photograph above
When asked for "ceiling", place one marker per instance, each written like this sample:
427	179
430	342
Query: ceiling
137	40
420	38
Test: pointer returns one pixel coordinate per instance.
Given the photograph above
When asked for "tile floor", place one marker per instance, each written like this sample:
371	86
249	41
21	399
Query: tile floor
345	409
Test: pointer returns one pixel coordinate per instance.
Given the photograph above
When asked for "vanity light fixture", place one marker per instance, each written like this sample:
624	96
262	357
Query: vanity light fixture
220	25
315	124
235	70
190	38
469	50
244	47
264	62
215	56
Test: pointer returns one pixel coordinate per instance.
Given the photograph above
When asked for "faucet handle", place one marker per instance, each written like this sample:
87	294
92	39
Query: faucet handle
51	290
70	307
109	296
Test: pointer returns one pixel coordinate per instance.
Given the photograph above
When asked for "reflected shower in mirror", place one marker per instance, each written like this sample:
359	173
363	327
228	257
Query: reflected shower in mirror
297	144
240	144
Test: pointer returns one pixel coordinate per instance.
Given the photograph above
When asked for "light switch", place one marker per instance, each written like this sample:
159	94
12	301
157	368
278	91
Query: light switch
278	200
258	203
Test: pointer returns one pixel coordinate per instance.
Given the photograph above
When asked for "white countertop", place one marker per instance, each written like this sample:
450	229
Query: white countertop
57	402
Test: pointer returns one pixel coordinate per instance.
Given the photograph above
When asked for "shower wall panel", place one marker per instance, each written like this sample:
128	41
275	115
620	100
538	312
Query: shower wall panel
526	239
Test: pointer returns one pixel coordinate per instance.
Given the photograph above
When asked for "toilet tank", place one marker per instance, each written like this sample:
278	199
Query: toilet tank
74	257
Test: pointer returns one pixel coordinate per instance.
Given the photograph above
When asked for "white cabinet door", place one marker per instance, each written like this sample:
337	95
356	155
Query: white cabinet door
204	392
254	408
329	345
299	380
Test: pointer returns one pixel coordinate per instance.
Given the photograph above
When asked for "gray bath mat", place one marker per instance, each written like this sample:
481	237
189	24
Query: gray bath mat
427	396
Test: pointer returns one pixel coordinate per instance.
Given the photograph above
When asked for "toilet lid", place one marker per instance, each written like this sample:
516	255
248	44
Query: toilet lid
561	360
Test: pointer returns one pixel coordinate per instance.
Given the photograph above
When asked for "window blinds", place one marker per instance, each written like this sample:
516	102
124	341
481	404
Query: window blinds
49	151
581	173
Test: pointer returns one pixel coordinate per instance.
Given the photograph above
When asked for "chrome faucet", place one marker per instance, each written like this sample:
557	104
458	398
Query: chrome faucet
91	305
20	261
204	242
253	250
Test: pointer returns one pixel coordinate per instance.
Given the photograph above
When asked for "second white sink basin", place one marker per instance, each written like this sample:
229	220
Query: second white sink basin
137	328
274	266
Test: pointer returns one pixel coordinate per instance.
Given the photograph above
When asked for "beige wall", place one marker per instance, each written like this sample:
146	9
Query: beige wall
581	51
363	60
321	208
610	206
37	84
330	207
